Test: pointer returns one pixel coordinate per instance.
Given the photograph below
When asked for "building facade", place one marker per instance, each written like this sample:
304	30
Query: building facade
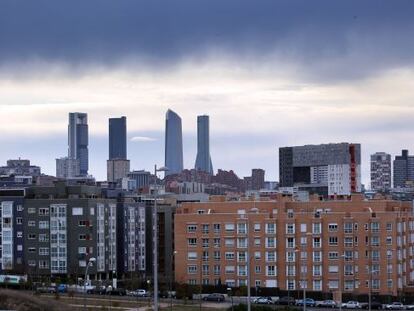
203	159
403	169
258	179
117	169
78	140
173	143
67	167
352	245
117	138
20	167
326	169
64	226
381	172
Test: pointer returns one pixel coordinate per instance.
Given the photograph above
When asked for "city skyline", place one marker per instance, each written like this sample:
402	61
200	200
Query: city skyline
290	74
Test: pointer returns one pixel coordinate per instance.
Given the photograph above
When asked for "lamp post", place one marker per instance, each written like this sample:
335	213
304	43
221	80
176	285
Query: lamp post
231	297
171	279
254	209
155	235
88	264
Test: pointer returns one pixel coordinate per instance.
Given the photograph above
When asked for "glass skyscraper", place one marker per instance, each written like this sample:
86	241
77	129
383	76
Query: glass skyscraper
117	138
203	160
78	140
173	143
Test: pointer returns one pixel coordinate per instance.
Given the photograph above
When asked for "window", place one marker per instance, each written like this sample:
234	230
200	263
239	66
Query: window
43	264
257	255
43	251
192	241
316	242
290	228
316	228
229	227
241	228
242	271
348	227
205	229
256	227
317	271
333	255
19	234
333	284
241	256
317	285
192	255
270	270
290	256
389	240
216	242
348	241
228	242
270	256
303	241
257	269
19	220
216	269
291	270
303	255
349	270
333	241
375	241
191	228
290	242
270	242
82	237
317	257
375	255
256	241
31	210
375	227
82	250
229	269
241	242
77	211
32	236
205	242
205	256
389	226
192	269
229	255
31	223
217	255
349	285
83	223
348	255
303	228
43	224
333	227
333	269
43	211
270	228
43	237
216	228
290	213
32	249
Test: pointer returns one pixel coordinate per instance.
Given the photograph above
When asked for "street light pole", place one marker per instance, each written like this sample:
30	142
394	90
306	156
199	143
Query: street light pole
88	264
155	235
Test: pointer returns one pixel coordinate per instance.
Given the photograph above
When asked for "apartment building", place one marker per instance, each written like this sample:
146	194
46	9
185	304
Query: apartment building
64	226
347	245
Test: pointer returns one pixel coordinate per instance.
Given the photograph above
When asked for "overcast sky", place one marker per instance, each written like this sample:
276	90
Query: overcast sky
269	74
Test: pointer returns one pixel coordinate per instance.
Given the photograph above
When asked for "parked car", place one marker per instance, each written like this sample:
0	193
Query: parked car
62	288
374	305
139	293
214	297
309	302
395	306
351	305
409	307
287	300
46	289
263	300
98	290
326	304
117	292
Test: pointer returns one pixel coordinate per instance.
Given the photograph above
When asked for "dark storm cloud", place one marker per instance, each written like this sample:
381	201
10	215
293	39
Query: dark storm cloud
325	37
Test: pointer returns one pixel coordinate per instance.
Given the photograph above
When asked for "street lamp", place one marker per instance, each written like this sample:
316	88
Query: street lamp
254	209
231	297
88	264
171	279
155	235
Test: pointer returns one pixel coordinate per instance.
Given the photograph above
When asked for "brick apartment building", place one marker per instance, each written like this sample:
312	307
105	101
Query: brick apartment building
343	244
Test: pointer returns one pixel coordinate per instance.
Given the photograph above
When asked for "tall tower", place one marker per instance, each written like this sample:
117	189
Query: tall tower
381	171
203	160
117	138
78	140
117	165
173	143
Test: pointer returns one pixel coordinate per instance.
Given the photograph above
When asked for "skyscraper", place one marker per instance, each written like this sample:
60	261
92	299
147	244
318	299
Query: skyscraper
325	169
173	143
117	165
403	169
78	140
117	138
203	160
381	171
